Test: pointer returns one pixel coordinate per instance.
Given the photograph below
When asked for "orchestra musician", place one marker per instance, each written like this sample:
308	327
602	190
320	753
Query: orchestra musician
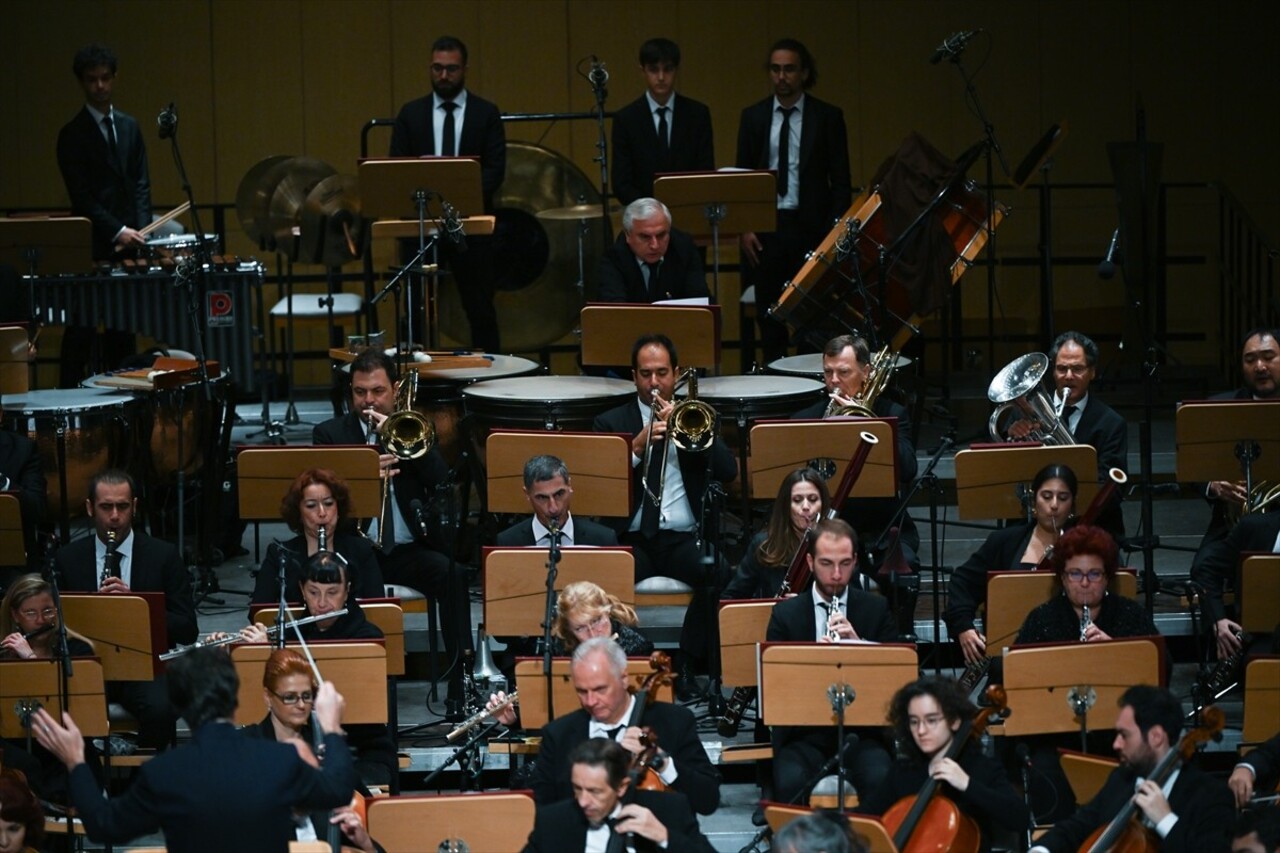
144	565
802	500
651	260
29	622
1259	770
21	474
1218	562
549	492
1192	812
926	715
584	611
21	816
824	830
1257	832
1018	546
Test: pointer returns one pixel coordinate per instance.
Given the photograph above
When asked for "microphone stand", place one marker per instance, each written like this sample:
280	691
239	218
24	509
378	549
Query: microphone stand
598	78
823	772
841	696
282	611
62	653
549	612
711	537
481	733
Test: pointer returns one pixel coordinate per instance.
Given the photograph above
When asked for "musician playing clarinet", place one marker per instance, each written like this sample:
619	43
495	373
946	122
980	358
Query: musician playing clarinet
1190	812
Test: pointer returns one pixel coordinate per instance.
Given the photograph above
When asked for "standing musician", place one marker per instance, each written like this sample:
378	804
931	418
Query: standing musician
549	492
1018	546
599	675
660	131
798	751
664	539
221	791
650	260
455	122
1192	812
604	804
144	565
926	715
802	500
20	473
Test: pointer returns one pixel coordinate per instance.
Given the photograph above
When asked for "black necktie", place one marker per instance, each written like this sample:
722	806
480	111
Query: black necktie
111	138
1066	418
784	149
664	137
653	278
448	142
612	734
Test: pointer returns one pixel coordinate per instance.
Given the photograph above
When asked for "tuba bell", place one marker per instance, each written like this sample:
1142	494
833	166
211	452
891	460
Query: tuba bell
1017	386
878	376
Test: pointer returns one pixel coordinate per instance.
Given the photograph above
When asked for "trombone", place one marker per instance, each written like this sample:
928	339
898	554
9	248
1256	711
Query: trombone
405	433
690	426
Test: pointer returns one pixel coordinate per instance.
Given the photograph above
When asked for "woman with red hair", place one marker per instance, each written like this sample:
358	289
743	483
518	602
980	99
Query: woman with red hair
21	818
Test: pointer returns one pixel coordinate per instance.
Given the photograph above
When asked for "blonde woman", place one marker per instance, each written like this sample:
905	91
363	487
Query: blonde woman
584	610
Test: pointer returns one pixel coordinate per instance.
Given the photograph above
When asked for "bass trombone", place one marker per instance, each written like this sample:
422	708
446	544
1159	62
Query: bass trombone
691	427
405	434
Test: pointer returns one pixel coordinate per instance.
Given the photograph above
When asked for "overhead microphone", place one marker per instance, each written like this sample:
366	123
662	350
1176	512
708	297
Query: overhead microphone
599	75
167	121
953	45
1107	268
453	228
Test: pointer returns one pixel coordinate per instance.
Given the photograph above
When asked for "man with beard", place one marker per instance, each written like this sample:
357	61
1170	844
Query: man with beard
452	122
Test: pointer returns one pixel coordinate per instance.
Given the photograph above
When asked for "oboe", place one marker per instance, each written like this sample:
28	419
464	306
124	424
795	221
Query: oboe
1085	621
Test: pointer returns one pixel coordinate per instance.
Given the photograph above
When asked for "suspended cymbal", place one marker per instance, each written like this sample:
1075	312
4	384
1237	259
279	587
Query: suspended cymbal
333	231
295	179
248	206
577	211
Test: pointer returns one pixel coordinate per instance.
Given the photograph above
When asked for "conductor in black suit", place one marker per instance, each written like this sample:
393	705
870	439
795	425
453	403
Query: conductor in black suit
604	804
814	187
549	493
650	260
144	565
799	751
20	472
454	122
660	131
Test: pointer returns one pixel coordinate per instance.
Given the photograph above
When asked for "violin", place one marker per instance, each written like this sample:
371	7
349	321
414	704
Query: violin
1126	832
928	820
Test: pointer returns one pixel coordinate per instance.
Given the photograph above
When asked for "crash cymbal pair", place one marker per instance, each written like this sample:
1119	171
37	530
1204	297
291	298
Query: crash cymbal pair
303	208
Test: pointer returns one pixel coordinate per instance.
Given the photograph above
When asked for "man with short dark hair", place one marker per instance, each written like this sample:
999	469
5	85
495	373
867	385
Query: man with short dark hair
660	131
1257	831
651	261
604	804
222	791
823	831
1190	811
454	122
549	493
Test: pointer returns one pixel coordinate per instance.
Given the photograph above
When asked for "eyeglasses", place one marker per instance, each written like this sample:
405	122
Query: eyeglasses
929	722
1073	369
294	698
1091	576
598	622
42	614
437	68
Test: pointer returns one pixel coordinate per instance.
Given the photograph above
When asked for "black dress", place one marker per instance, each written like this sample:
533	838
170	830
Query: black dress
632	641
1056	621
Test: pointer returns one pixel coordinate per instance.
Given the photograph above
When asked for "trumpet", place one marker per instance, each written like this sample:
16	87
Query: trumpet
180	650
833	635
690	426
477	718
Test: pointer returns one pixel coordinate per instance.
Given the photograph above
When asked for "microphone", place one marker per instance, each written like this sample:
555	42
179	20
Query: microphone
416	507
43	629
1107	268
453	228
1024	755
953	45
167	121
845	242
598	76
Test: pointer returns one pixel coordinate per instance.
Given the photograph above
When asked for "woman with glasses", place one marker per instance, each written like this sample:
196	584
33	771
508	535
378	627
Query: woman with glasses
802	500
28	623
585	610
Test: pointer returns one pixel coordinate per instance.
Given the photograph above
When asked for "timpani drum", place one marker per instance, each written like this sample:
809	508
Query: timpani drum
86	429
810	364
568	403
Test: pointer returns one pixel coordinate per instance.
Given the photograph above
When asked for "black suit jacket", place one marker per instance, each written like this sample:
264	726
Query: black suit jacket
967	590
826	189
1102	427
112	193
156	567
679	277
220	792
677	732
1265	761
635	145
482	136
1221	560
1204	806
20	462
562	828
693	466
520	534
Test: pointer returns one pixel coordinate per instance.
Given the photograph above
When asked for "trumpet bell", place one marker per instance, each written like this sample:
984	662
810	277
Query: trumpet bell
407	434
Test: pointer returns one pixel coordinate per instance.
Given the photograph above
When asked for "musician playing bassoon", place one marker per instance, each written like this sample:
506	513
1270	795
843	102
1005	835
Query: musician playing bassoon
802	500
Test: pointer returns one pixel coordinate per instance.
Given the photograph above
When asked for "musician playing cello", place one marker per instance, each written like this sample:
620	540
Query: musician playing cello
926	715
1191	811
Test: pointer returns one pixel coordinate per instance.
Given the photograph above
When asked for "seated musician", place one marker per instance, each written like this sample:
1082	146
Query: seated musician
141	564
825	830
1191	811
584	611
799	751
650	260
605	803
1020	546
21	474
317	499
1257	831
599	675
21	815
926	715
288	689
29	623
1218	563
663	531
1258	770
549	493
802	500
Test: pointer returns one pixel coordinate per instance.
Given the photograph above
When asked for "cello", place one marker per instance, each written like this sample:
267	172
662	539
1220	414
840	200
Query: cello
1126	832
928	820
643	774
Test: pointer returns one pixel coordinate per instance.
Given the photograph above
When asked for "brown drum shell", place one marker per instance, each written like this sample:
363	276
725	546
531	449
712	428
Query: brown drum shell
180	423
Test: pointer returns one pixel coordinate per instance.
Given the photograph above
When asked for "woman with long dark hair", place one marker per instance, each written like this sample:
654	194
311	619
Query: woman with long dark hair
802	500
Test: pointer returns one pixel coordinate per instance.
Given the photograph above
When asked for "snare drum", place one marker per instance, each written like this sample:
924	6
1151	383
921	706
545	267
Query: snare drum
98	430
568	403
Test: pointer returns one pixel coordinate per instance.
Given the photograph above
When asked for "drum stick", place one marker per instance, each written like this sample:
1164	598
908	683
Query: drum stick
176	212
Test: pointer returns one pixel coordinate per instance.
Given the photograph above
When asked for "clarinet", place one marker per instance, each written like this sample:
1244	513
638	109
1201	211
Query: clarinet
1085	621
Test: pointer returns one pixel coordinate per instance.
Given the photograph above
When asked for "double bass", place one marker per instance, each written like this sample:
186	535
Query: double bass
928	820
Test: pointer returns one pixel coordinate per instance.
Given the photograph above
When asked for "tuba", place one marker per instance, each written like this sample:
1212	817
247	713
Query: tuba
878	376
691	426
1017	386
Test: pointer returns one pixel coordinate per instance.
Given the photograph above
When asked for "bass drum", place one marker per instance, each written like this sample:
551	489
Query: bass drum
535	261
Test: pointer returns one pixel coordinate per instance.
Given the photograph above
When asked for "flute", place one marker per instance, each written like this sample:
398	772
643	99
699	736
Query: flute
206	643
475	719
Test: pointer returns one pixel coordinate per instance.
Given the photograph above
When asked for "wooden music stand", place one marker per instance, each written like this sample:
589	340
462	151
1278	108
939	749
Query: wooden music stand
1260	593
1012	595
1208	432
58	245
1086	773
15	360
873	832
716	205
1039	678
599	469
494	821
515	586
742	629
40	680
387	185
609	330
779	447
13	545
987	477
128	631
358	670
532	684
794	678
386	613
1261	698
